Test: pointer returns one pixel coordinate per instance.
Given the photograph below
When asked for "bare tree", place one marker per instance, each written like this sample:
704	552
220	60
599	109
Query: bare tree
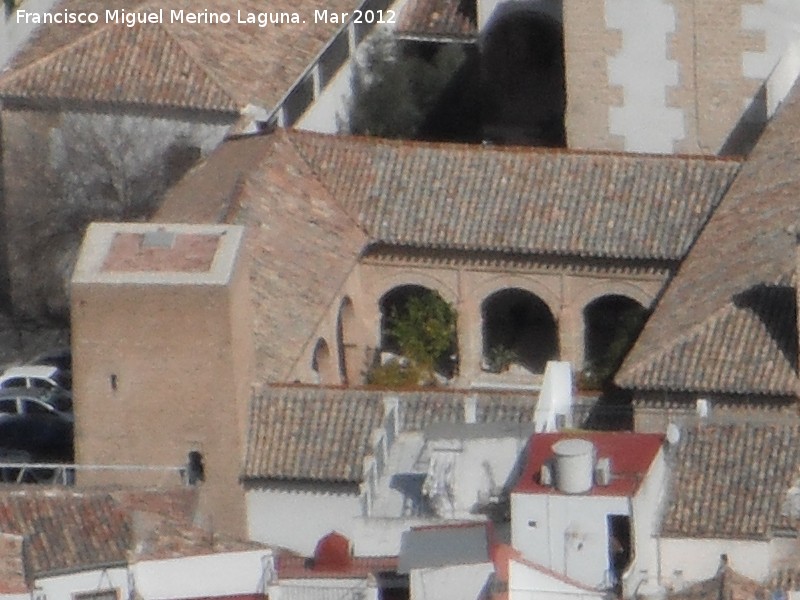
90	168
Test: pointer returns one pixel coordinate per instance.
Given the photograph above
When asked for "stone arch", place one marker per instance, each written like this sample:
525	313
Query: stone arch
611	324
394	301
523	72
345	340
518	326
322	363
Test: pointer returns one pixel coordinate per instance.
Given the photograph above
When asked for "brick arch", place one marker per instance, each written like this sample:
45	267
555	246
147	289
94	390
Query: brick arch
517	321
425	280
586	296
504	282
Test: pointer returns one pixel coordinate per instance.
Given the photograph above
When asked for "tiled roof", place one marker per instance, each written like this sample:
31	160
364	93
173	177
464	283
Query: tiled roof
723	306
66	531
302	244
312	433
730	481
525	200
446	19
230	64
747	345
506	199
314	203
727	584
122	65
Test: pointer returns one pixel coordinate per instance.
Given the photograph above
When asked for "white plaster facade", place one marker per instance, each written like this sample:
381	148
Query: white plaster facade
297	518
212	575
456	582
569	534
689	560
323	589
644	72
206	576
526	582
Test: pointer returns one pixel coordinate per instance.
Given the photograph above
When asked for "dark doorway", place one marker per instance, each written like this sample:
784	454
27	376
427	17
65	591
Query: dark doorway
518	327
620	550
612	323
524	76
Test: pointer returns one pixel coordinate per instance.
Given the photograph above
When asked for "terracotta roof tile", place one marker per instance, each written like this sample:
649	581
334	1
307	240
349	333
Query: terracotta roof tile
314	203
312	433
64	531
519	199
727	584
439	19
749	346
229	65
730	481
124	65
302	243
743	252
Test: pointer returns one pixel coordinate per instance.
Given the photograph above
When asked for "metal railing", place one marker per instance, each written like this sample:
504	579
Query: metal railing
65	473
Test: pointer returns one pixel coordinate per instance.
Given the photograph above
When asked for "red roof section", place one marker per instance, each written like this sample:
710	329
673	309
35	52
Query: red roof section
631	455
296	567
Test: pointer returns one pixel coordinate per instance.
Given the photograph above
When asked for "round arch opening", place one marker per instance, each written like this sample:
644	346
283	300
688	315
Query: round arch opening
345	341
523	73
322	363
518	328
416	320
611	325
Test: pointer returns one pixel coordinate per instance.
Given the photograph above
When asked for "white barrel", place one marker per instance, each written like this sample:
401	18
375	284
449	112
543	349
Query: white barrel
574	465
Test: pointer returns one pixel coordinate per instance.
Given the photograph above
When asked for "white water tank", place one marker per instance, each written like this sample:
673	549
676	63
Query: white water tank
574	465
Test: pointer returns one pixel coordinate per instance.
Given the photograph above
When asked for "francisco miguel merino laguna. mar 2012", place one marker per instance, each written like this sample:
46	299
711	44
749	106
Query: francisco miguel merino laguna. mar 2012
132	18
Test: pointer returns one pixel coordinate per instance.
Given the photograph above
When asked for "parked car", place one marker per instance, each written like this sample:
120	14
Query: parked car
31	422
61	358
44	377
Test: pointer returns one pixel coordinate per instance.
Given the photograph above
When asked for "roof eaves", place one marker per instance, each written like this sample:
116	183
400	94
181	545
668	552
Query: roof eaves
7	79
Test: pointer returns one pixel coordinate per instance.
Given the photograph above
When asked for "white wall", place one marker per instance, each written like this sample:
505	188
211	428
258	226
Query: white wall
644	70
62	587
323	589
528	583
779	20
223	574
568	534
459	582
330	110
298	519
648	505
685	561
